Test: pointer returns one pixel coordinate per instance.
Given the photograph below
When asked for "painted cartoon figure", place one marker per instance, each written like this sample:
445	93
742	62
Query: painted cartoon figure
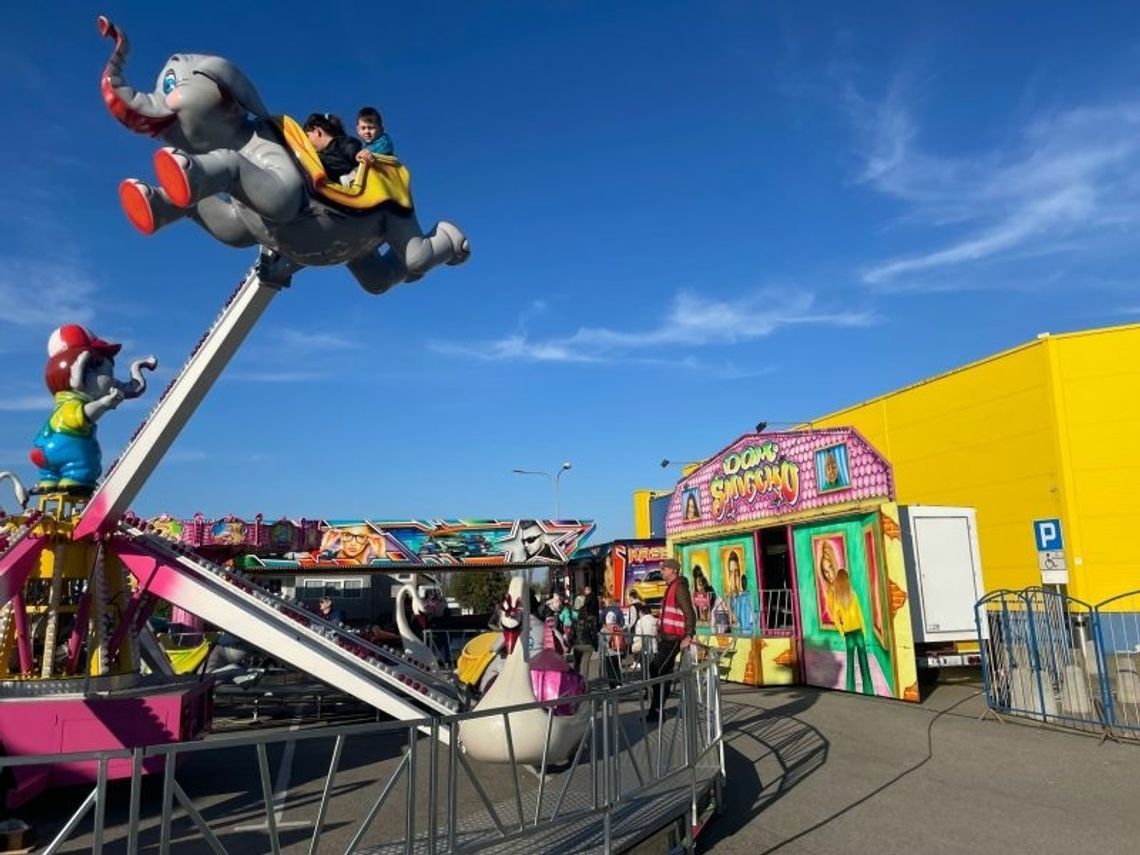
703	596
847	614
248	178
739	599
80	374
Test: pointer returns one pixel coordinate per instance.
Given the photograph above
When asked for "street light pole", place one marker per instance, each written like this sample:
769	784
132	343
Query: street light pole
554	480
557	508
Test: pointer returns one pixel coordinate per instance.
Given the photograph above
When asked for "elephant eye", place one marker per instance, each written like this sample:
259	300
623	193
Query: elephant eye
169	81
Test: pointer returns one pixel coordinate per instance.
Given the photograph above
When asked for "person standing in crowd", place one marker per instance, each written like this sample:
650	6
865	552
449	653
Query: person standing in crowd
614	635
676	632
587	635
635	610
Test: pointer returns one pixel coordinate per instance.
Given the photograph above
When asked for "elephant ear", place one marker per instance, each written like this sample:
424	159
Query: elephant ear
230	80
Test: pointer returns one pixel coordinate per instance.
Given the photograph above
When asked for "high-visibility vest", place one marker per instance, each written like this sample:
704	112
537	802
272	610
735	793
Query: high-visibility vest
672	618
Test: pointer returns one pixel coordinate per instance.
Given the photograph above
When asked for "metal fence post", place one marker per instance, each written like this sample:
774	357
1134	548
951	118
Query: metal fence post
135	800
1034	656
1102	670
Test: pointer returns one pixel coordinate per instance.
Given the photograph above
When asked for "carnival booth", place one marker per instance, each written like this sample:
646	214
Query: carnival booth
791	546
620	567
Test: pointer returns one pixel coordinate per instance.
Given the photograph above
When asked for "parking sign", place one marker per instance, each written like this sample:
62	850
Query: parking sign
1047	533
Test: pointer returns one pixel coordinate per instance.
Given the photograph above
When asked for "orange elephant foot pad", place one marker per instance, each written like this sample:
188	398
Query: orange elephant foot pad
172	177
136	205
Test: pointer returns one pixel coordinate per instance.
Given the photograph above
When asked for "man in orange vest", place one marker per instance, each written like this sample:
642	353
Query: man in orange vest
677	628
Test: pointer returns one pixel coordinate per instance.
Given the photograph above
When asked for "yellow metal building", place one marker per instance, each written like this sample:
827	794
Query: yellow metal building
1046	430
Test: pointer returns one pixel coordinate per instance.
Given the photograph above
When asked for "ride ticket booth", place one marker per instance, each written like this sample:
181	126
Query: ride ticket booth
792	548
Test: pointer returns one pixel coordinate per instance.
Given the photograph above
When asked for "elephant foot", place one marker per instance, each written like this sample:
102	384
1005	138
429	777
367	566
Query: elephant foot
460	245
135	197
173	170
147	209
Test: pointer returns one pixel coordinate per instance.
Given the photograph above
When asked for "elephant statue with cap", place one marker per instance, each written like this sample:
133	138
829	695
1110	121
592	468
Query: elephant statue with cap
80	375
249	178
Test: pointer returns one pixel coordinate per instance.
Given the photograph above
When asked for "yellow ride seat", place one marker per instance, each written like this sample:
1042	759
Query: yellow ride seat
187	660
476	656
386	182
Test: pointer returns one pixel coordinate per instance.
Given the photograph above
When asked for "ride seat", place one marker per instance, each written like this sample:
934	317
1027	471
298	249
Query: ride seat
386	183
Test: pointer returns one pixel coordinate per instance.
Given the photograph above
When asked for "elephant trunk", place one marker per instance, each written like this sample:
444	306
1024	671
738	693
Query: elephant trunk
137	386
142	112
17	487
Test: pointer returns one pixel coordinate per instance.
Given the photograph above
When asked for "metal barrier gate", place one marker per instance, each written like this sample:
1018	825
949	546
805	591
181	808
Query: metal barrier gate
1057	659
627	772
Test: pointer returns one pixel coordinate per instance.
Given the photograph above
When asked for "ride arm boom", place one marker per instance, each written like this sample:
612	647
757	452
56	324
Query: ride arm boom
177	404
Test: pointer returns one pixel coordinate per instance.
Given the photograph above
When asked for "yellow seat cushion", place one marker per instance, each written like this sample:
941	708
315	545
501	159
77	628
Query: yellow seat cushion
187	660
385	182
476	656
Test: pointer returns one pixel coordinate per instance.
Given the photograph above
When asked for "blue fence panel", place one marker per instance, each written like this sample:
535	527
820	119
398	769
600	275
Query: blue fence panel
1040	659
1060	660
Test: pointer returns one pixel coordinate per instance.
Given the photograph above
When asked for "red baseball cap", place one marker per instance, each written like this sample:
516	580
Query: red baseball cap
73	336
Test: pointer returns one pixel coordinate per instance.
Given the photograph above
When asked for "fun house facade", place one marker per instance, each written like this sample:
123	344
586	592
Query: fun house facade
792	548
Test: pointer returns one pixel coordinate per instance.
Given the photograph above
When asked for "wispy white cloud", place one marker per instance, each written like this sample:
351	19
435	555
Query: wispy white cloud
38	292
1066	179
25	404
180	456
312	342
692	321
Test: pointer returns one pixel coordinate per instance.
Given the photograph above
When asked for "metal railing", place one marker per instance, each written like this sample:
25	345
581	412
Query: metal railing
778	612
1058	659
621	761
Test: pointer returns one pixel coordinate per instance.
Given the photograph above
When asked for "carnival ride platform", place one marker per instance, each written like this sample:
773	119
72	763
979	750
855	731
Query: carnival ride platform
380	787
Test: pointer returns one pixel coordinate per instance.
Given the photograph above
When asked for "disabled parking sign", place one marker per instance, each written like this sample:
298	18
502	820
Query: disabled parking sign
1050	552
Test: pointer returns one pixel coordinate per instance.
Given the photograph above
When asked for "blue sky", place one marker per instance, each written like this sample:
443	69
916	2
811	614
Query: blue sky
685	218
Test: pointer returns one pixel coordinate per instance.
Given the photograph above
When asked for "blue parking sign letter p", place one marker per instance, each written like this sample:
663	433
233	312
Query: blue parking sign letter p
1047	533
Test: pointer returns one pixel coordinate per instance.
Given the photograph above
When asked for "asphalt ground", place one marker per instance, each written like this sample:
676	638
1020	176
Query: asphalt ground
813	771
809	771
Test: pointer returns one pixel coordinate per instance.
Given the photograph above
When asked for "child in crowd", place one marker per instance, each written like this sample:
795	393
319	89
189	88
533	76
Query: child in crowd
614	636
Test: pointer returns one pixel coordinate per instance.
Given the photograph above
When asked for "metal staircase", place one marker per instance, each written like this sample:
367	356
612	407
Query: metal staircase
388	681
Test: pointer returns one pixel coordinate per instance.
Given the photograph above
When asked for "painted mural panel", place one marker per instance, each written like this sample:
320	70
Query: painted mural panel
755	661
629	565
378	543
722	578
896	612
778	662
761	476
852	586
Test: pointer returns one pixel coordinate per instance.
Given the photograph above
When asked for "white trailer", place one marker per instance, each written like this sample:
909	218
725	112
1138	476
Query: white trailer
944	578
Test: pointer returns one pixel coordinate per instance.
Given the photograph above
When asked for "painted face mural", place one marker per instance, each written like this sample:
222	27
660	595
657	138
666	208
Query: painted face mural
532	543
353	544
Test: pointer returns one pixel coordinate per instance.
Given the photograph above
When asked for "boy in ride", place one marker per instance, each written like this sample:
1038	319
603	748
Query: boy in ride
370	129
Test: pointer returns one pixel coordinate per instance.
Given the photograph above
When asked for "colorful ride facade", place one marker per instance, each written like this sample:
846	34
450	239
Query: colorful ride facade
791	546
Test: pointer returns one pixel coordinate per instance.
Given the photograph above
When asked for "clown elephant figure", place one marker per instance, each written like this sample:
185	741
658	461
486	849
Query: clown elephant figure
80	374
247	180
